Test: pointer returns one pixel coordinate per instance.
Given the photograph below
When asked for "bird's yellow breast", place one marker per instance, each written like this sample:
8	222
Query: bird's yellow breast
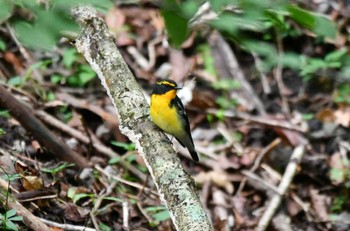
165	116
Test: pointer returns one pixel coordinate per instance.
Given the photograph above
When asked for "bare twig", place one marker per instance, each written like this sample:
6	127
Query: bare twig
264	82
132	184
259	182
94	221
265	120
278	75
282	188
257	162
125	215
66	226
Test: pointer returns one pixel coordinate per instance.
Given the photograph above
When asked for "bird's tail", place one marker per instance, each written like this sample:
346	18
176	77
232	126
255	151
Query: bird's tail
194	154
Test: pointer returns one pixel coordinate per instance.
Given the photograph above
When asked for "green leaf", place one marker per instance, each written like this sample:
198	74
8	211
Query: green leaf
317	23
16	218
338	203
85	77
175	22
11	177
228	84
114	160
337	174
10	213
55	79
69	57
226	103
10	225
219	5
3	46
161	216
33	36
209	63
44	32
126	146
79	196
228	23
312	66
5	10
58	168
336	55
5	113
104	227
113	199
2	132
15	81
277	18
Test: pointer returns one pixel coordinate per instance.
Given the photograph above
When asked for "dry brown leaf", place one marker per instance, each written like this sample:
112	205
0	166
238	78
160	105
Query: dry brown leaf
325	115
32	182
76	213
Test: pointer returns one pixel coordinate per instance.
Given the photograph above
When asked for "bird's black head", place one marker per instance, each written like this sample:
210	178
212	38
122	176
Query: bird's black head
164	86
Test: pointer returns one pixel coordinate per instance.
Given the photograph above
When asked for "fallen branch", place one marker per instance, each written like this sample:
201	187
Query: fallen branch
176	188
41	133
282	188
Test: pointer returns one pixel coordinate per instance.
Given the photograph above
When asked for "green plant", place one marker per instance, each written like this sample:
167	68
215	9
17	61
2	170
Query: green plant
64	113
333	60
5	114
72	194
126	146
342	94
338	203
83	75
59	168
44	22
158	213
2	132
7	219
104	227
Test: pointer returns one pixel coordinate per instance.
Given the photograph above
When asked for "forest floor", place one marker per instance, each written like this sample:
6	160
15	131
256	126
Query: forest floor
247	124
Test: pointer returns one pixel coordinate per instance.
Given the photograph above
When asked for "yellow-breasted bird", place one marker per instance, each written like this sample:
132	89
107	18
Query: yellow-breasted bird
168	113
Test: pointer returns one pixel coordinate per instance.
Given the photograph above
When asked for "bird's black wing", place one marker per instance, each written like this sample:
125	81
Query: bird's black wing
176	102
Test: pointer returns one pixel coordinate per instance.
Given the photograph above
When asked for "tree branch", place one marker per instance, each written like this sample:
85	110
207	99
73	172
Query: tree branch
176	188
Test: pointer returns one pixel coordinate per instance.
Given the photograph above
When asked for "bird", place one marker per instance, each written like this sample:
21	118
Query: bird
168	113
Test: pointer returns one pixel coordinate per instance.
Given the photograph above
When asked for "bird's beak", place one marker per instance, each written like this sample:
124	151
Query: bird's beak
178	88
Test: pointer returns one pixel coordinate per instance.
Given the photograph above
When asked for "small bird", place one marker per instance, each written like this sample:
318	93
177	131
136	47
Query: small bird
168	113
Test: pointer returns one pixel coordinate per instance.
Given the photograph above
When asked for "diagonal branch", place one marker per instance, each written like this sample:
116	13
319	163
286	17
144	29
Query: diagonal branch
176	188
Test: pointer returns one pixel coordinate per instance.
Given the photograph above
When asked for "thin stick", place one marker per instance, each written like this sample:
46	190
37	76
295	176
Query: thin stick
282	188
65	226
257	162
278	75
263	77
265	120
133	184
